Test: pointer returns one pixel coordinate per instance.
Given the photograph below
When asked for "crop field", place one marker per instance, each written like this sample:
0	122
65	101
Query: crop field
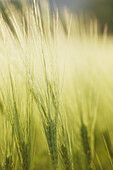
56	90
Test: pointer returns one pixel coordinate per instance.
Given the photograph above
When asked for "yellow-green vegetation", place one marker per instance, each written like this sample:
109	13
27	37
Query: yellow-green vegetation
56	91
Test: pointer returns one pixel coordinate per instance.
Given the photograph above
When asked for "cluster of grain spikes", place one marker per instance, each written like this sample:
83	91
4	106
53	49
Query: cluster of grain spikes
65	148
47	101
9	155
8	165
23	134
87	103
8	161
7	151
49	116
86	145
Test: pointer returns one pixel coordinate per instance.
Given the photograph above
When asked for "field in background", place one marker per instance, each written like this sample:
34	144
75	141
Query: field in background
56	91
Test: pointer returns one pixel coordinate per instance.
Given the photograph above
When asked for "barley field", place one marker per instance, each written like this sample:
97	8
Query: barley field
56	91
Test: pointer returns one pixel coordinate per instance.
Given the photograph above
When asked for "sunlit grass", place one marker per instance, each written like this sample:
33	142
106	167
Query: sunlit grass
56	91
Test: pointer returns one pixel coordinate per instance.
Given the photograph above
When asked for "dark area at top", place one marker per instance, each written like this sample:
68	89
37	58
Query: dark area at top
100	9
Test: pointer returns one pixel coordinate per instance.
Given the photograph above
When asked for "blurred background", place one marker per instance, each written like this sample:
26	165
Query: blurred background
102	10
